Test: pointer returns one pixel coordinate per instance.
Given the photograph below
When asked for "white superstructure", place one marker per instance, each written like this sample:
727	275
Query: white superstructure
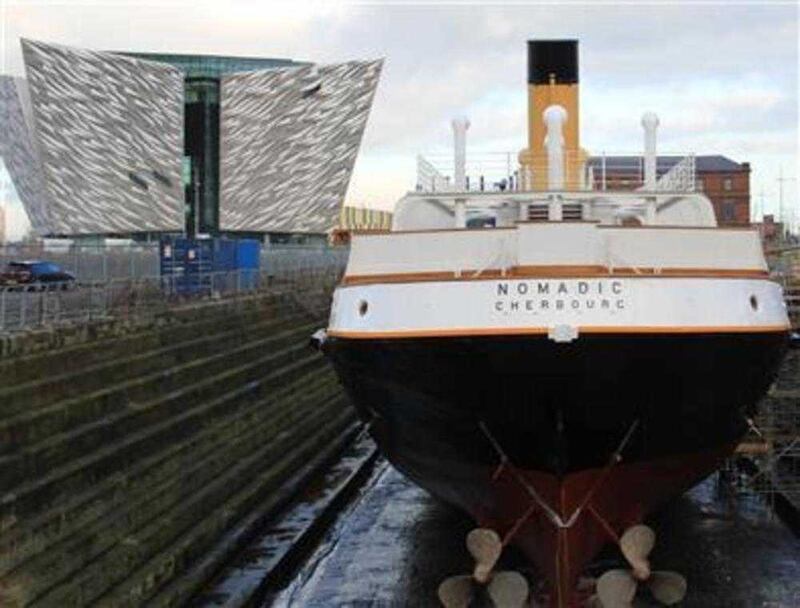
535	277
556	262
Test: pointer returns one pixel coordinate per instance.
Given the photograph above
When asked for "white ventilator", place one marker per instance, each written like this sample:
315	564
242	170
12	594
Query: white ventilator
460	126
555	117
650	124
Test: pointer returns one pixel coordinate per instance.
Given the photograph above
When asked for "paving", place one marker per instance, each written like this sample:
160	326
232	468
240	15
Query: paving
396	543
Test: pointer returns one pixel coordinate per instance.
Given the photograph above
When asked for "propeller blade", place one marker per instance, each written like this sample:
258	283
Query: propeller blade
485	546
456	591
593	602
616	589
667	587
508	589
636	543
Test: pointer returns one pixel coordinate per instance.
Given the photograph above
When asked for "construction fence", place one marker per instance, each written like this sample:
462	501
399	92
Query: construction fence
114	284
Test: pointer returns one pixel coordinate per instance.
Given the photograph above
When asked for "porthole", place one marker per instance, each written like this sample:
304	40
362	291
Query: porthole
754	302
363	307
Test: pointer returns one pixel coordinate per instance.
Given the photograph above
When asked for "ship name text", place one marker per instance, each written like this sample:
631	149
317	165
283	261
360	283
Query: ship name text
535	296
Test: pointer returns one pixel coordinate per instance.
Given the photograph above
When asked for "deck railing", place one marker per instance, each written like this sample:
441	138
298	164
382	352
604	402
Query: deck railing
498	171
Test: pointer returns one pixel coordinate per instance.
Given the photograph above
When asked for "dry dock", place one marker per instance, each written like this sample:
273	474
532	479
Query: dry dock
199	453
396	545
391	544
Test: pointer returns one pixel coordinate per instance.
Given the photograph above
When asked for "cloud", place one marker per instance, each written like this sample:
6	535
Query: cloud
705	69
723	77
17	224
16	220
746	106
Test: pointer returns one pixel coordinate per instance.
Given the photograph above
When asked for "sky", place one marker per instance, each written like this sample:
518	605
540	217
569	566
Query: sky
722	76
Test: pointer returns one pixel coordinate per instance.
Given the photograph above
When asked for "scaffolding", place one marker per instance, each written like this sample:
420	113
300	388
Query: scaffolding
771	451
767	461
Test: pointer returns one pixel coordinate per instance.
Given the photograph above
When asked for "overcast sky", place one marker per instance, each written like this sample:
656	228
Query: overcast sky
722	77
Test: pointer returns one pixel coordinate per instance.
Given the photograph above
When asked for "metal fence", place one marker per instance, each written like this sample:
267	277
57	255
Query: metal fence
104	263
90	263
304	276
287	259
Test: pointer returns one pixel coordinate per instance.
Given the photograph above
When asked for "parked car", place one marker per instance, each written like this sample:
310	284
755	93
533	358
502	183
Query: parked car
34	275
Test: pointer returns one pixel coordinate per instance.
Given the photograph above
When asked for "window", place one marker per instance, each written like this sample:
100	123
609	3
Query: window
699	184
727	184
728	211
482	221
163	179
572	212
134	177
538	213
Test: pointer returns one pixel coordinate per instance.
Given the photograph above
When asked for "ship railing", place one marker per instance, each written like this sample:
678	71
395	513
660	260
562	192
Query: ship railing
501	171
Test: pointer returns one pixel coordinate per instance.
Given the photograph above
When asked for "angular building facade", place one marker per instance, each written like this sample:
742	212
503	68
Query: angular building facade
202	82
288	142
18	148
136	145
110	137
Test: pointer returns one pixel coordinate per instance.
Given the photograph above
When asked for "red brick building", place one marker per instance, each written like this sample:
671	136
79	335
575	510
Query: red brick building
727	184
724	181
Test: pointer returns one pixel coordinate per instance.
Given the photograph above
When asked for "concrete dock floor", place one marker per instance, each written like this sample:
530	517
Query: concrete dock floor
396	544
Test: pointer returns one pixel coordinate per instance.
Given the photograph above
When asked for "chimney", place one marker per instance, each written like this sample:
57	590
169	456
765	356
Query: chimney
552	80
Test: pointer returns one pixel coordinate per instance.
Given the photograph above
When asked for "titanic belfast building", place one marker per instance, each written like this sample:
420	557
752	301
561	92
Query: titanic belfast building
137	145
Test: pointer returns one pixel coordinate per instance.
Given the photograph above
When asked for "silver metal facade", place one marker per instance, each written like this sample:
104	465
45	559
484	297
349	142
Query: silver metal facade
110	134
288	142
94	142
19	152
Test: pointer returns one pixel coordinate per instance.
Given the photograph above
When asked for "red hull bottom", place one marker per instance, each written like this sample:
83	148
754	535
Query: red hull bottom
594	507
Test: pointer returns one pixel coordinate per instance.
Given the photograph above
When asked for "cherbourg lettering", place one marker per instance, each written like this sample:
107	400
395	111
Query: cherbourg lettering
535	296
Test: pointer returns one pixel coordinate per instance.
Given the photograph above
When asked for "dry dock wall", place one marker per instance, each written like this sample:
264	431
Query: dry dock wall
131	451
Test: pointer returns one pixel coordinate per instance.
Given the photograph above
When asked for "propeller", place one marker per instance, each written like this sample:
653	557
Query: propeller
617	588
636	544
505	589
667	587
456	591
508	589
485	547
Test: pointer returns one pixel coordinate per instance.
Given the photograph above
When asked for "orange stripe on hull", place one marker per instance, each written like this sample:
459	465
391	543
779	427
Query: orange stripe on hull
565	272
522	331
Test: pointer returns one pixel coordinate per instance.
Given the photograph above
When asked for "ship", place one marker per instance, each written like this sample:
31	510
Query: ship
562	353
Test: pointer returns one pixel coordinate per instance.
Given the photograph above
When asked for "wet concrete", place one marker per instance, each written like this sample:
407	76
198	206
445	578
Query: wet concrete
396	544
273	553
733	550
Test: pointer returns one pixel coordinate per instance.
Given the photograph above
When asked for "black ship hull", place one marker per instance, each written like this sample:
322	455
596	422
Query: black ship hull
476	419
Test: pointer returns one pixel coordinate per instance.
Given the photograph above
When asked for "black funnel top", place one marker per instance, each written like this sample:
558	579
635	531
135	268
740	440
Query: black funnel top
557	57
